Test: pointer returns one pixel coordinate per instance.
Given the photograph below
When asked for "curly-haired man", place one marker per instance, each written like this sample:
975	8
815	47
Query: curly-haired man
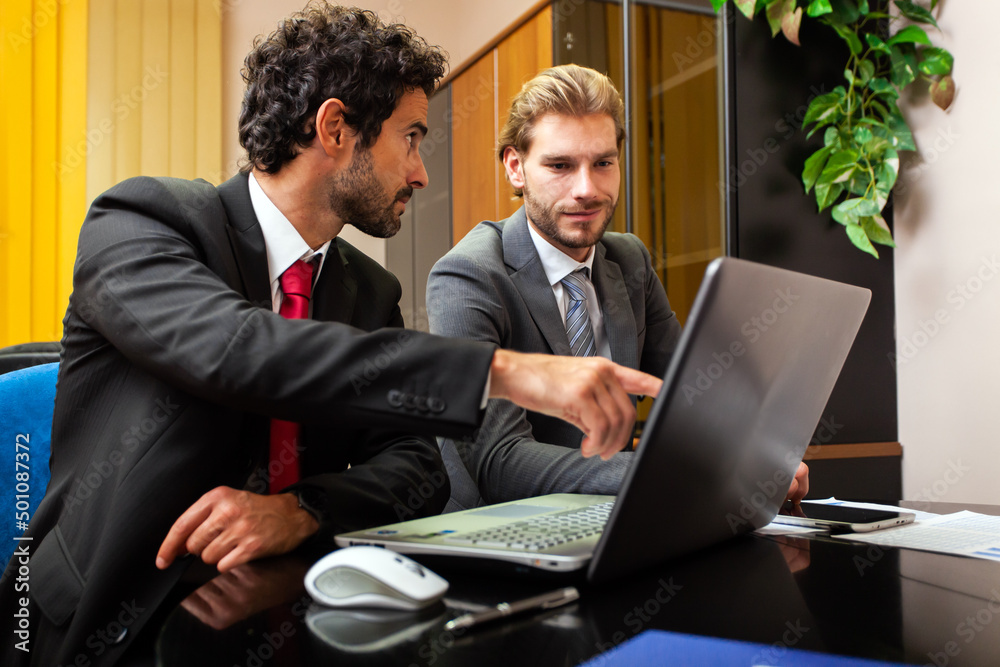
235	380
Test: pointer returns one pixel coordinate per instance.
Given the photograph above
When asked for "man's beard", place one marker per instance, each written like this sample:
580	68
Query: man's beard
544	218
358	199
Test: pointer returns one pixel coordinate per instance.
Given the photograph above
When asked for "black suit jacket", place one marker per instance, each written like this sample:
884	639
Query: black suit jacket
173	364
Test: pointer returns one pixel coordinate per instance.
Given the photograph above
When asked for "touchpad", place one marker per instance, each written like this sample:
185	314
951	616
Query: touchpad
514	511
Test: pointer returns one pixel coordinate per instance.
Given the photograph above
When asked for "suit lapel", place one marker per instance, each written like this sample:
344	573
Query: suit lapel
336	290
529	278
247	240
619	320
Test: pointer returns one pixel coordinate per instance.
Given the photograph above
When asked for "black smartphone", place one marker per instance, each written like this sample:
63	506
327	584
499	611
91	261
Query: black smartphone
841	519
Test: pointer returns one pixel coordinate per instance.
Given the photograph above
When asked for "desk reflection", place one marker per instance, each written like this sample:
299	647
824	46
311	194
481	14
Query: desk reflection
260	614
818	594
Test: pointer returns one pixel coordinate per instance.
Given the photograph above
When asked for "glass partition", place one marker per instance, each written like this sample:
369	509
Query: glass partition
672	197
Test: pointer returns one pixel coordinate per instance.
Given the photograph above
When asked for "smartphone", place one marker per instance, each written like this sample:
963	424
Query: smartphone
841	519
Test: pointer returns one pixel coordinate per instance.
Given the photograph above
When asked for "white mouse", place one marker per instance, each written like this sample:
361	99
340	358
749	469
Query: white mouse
373	577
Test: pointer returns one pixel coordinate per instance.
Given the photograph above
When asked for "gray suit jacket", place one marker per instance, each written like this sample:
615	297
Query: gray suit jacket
492	287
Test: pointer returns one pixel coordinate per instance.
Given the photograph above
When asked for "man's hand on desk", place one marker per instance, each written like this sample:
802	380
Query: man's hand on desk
800	484
591	393
226	528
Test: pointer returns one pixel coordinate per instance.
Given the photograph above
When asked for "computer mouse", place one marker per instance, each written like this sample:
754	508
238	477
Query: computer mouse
364	576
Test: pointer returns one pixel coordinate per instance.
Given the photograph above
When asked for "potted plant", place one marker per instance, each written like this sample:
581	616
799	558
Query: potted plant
863	129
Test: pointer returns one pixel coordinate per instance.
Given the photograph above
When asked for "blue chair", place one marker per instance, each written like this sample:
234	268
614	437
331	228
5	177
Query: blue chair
27	399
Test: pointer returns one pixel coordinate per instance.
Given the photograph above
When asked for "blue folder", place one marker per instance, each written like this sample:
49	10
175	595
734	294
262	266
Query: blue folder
657	647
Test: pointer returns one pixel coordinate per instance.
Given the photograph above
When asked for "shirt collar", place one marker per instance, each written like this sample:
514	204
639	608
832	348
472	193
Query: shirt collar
282	241
556	263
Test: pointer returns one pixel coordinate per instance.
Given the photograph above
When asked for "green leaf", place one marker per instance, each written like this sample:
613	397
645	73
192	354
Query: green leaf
819	8
904	65
717	5
866	70
877	230
880	108
827	193
832	137
840	167
863	7
814	166
823	109
845	12
876	43
860	239
876	147
880	85
915	12
888	170
886	173
859	182
862	135
746	6
851	37
936	61
943	92
911	34
869	120
902	137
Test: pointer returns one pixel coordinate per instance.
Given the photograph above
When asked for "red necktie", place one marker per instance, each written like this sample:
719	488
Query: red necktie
283	466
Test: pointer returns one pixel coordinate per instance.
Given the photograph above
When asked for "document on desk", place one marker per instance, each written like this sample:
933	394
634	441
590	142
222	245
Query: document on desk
961	534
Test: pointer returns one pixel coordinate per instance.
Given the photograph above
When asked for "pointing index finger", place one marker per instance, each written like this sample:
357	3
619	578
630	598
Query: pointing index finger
174	544
637	382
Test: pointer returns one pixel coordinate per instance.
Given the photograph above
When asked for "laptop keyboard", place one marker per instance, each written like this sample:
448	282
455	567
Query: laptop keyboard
541	532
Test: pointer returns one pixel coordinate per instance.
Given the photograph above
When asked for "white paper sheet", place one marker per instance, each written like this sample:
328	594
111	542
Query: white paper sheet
962	534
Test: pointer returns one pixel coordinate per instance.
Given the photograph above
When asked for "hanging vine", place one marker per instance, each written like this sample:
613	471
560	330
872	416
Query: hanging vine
863	129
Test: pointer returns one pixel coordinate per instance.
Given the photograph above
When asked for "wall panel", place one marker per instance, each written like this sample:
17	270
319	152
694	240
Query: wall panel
523	54
473	127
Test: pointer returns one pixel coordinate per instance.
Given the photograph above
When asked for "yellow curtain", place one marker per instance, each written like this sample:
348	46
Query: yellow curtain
43	76
155	95
94	91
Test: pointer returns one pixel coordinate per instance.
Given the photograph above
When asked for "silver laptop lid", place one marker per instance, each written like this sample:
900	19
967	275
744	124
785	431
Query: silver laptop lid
755	366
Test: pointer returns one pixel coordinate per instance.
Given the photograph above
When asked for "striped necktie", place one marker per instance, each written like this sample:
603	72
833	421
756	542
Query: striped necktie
578	327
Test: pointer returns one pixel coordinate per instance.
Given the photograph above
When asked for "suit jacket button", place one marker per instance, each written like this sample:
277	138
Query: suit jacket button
436	404
409	401
422	405
395	398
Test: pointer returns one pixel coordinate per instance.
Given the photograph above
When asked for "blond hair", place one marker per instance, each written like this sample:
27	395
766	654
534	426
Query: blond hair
568	90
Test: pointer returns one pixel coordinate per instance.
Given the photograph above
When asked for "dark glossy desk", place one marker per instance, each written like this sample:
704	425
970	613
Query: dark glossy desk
819	594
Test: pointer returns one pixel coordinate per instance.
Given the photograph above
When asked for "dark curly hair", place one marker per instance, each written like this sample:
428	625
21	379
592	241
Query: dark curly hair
328	51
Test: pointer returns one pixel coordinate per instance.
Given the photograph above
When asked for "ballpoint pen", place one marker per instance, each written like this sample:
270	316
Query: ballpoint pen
544	601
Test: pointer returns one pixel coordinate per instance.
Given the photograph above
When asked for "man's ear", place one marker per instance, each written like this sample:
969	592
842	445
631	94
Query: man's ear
335	136
513	166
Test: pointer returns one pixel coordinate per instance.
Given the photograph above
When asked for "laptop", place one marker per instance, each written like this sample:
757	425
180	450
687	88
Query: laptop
744	391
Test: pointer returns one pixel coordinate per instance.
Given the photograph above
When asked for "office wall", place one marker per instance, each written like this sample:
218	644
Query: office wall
459	27
948	276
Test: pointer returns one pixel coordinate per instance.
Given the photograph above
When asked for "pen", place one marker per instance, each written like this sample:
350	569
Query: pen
544	601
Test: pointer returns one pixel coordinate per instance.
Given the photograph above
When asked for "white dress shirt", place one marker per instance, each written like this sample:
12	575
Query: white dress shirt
558	265
283	243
